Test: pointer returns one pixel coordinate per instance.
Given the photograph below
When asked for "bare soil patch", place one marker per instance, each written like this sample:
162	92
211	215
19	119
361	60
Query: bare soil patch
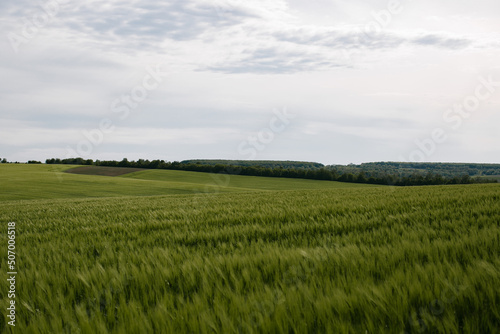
103	171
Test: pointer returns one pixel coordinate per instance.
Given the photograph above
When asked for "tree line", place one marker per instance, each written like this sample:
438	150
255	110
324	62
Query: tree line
259	163
323	173
410	168
4	161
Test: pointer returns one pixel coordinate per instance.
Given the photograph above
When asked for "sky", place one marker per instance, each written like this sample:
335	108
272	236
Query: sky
330	81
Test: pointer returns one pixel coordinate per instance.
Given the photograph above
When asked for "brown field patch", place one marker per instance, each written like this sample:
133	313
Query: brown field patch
103	171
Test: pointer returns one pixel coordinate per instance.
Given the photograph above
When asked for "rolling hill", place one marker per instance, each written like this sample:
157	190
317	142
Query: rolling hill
21	182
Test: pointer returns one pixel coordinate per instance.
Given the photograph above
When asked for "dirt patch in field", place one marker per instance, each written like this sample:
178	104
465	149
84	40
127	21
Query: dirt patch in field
104	171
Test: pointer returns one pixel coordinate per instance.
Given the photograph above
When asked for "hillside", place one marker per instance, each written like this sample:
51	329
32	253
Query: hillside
381	173
39	181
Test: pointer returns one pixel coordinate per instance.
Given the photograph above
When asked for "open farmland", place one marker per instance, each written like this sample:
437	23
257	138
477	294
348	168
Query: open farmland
128	254
53	181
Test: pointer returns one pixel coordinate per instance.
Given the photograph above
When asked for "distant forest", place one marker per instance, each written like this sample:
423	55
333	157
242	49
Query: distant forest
377	169
383	173
258	163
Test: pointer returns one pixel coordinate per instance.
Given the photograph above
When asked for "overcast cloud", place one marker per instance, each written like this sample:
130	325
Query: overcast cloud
183	79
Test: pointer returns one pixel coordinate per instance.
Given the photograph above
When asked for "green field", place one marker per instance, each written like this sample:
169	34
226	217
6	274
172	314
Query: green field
178	252
19	182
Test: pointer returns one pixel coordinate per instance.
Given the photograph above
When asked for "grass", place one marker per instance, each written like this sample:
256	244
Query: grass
101	170
240	181
27	182
351	260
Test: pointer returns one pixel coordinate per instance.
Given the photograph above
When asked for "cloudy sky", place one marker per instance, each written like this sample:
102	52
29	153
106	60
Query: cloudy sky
332	81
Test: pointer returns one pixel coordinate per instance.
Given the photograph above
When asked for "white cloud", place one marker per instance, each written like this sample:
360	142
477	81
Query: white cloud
230	62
